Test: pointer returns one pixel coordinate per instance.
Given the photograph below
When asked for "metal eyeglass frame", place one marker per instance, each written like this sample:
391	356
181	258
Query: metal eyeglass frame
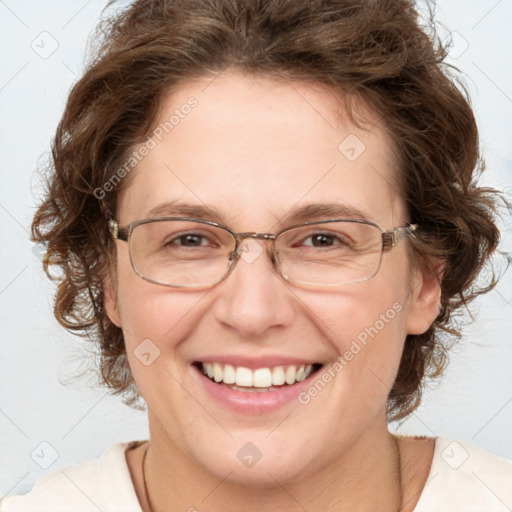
389	240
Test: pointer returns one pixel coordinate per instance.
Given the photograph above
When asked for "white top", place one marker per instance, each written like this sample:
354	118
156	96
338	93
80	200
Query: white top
462	478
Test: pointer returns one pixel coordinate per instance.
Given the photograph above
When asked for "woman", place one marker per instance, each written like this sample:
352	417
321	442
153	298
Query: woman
265	214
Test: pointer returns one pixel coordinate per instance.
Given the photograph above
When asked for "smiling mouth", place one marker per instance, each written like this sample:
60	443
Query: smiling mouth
240	378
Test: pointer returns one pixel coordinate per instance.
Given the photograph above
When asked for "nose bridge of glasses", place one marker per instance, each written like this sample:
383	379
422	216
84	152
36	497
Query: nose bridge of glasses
250	251
240	237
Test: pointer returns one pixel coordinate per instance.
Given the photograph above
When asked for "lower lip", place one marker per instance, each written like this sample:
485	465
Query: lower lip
253	402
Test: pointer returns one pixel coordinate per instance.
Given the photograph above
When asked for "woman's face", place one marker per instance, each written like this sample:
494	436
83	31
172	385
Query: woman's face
257	151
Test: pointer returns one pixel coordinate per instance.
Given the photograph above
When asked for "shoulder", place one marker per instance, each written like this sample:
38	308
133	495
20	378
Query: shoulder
92	485
467	478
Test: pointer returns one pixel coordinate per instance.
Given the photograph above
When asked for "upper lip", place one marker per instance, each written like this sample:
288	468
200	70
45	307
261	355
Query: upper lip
257	362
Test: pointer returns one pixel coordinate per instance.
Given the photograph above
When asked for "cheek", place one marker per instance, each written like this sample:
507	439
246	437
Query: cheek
361	313
155	322
153	312
162	316
367	327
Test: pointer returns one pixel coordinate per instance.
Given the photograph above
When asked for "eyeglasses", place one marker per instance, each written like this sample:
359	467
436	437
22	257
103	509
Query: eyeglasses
185	252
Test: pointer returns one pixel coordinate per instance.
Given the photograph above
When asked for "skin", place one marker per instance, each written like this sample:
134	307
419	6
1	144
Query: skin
254	148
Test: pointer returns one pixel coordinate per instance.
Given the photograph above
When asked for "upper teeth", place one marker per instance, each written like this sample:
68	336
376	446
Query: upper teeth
259	378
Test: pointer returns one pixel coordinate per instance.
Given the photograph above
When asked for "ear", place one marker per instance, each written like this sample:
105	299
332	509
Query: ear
110	303
425	298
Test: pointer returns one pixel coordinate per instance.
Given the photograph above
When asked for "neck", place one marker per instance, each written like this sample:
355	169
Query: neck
365	477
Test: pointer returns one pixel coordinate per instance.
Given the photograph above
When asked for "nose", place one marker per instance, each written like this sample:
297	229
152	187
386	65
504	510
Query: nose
254	298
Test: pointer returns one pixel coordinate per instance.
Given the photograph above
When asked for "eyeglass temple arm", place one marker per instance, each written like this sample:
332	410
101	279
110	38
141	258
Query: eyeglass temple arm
391	238
116	231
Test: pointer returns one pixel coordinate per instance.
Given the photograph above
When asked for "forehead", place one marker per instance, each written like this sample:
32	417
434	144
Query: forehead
253	148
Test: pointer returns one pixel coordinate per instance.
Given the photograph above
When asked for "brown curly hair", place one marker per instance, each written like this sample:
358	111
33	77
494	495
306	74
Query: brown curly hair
376	50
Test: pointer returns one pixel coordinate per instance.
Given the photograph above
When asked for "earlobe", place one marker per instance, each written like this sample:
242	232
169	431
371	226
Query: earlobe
425	299
110	302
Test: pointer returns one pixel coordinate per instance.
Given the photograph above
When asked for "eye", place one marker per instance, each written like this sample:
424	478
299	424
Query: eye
321	240
325	239
190	240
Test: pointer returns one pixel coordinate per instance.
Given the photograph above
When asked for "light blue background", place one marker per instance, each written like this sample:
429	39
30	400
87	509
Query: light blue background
472	403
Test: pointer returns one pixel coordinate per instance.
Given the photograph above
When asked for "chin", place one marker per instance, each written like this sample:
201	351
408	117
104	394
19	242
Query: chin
259	459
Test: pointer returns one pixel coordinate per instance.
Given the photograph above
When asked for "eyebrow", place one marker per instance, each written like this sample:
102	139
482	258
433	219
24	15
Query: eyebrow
316	211
306	213
181	209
